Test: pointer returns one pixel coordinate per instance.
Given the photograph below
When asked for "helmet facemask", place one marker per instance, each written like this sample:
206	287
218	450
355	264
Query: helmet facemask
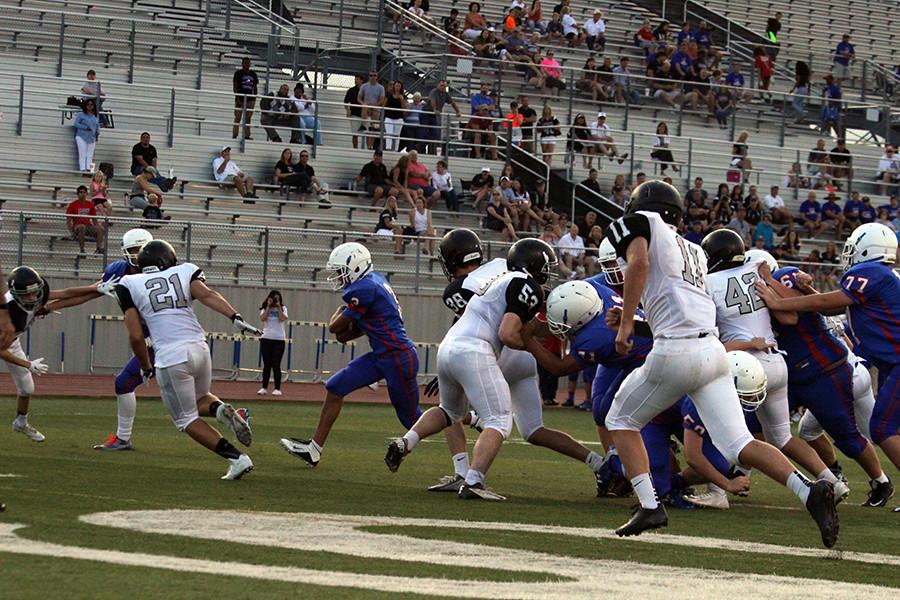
339	277
34	293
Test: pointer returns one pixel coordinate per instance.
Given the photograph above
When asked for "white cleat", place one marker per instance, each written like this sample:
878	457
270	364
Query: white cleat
33	434
709	500
841	491
276	392
302	449
239	467
261	392
236	423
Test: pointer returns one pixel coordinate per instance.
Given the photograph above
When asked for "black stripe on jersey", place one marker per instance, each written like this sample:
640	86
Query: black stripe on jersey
125	300
456	297
623	231
198	275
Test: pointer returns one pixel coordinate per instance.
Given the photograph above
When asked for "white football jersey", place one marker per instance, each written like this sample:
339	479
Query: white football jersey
504	292
163	299
740	314
674	300
489	271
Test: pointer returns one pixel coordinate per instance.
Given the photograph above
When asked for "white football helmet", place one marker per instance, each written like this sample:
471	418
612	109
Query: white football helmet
571	306
749	379
870	242
347	263
613	266
132	240
757	255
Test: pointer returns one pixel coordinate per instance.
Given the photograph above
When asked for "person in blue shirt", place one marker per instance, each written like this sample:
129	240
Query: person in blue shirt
832	215
867	213
87	131
811	211
830	114
681	61
483	97
370	308
704	41
891	207
870	293
735	79
853	211
843	54
820	377
766	231
686	35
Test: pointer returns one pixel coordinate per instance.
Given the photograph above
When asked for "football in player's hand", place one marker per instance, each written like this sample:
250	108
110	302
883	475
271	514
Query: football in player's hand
350	333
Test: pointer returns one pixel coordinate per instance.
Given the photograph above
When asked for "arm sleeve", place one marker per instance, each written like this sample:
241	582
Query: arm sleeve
125	300
624	230
198	275
523	297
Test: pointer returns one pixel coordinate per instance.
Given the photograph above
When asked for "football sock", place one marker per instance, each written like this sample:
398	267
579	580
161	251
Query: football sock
594	461
316	445
882	478
215	407
461	464
126	405
21	420
226	450
836	467
473	477
571	397
412	438
799	484
828	476
643	487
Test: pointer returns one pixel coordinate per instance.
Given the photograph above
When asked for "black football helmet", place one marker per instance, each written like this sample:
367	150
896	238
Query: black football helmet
27	287
724	249
658	197
157	254
459	248
535	257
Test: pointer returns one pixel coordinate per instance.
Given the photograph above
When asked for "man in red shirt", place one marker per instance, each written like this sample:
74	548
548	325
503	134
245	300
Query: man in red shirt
81	220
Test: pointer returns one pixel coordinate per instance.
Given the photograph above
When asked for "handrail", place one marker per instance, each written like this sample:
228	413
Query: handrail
427	25
266	14
593	193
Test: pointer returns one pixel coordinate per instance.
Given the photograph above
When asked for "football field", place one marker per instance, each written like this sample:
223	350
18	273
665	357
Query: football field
157	521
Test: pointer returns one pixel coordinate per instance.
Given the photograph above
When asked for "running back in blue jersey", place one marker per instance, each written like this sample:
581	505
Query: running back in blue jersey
119	268
874	317
371	301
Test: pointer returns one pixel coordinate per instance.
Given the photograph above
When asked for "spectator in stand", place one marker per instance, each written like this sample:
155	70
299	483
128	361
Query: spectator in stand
893	207
765	66
153	212
87	132
481	188
830	113
663	86
513	19
619	191
480	132
372	97
842	163
554	32
736	80
773	26
822	179
695	233
644	37
817	156
740	225
226	171
843	54
92	89
832	215
143	154
571	253
592	184
373	176
245	85
722	209
418	178
662	33
867	214
438	97
794	177
483	98
548	133
286	173
801	89
279	109
739	155
885	219
451	23
442	182
765	231
497	217
811	213
387	226
529	119
774	204
524	207
474	22
553	76
888	170
704	42
541	205
696	205
579	141
640	178
571	30
724	102
595	32
98	194
81	219
592	250
661	148
681	61
604	142
421	225
306	109
789	248
141	188
353	109
590	81
853	211
534	20
625	92
513	120
394	105
698	185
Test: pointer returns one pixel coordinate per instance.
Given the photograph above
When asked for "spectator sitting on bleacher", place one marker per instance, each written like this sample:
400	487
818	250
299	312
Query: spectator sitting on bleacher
306	108
540	204
554	32
644	37
82	222
739	155
888	170
497	217
481	187
736	80
451	23
552	74
286	174
420	224
534	19
843	54
663	84
893	207
774	204
513	18
604	142
418	178
885	219
662	33
661	148
571	30
625	92
722	209
794	177
579	140
153	212
704	42
740	225
595	30
143	154
867	214
386	226
817	156
442	182
619	191
832	215
142	187
681	61
278	109
822	179
811	213
87	132
853	211
98	194
226	170
479	132
590	81
695	233
842	163
789	248
765	232
571	253
483	97
755	209
353	109
474	22
91	88
592	184
244	84
315	186
373	176
487	45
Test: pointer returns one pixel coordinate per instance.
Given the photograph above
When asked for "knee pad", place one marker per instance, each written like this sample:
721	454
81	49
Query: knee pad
24	383
809	428
502	423
616	422
451	415
182	421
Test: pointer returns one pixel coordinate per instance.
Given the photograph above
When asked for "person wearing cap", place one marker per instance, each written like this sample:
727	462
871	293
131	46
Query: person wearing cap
842	163
595	30
843	54
226	170
479	130
481	187
832	215
888	170
603	141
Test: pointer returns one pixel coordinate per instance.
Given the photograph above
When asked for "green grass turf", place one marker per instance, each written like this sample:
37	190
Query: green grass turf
64	478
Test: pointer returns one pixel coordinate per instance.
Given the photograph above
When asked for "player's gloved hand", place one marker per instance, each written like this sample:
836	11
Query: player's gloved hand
108	287
38	367
243	326
431	388
147	375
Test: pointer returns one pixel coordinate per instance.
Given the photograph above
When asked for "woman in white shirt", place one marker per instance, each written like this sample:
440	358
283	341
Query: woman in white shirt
307	111
661	151
420	223
273	314
443	183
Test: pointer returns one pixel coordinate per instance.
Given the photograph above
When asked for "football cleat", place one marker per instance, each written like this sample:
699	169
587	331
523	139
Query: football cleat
244	413
448	483
644	519
113	443
677	500
477	491
821	507
709	500
841	491
879	494
232	419
302	449
33	434
476	423
239	467
396	452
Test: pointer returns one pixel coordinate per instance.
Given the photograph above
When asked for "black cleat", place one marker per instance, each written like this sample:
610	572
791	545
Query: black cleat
396	452
644	519
879	494
821	507
477	491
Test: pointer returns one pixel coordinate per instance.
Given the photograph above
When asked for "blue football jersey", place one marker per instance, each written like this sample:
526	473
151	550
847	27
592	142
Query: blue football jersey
119	268
595	343
371	301
809	345
874	317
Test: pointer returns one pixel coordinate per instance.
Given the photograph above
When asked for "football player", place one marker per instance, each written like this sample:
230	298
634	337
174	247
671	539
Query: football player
468	362
371	308
26	300
7	335
668	273
745	324
160	296
870	293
